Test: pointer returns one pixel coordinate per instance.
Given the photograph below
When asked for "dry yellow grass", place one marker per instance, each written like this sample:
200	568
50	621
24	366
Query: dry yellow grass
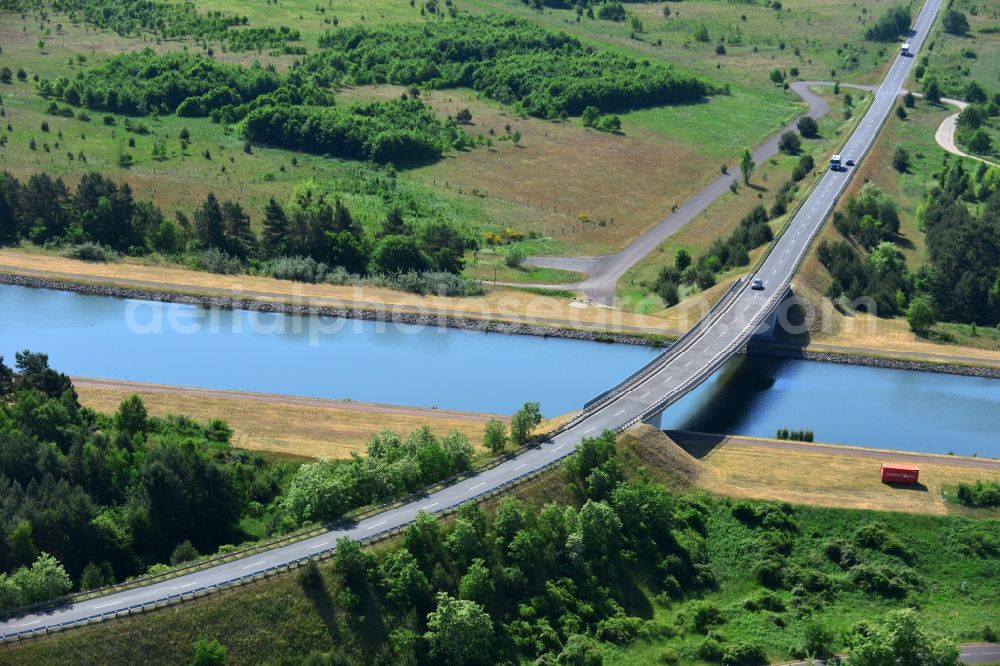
842	477
560	170
283	425
507	305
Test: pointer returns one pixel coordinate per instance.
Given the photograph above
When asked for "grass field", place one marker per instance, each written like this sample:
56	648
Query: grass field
283	425
558	172
956	59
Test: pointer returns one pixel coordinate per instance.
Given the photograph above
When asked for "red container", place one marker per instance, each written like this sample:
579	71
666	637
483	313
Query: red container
899	474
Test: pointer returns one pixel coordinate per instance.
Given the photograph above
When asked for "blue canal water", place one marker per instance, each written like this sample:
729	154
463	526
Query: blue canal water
186	345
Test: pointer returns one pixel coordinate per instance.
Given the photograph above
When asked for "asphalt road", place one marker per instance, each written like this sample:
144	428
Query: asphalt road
680	369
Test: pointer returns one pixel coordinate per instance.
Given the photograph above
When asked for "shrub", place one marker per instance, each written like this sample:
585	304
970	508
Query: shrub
514	256
808	127
297	269
215	260
90	252
744	654
901	159
803	168
790	143
979	494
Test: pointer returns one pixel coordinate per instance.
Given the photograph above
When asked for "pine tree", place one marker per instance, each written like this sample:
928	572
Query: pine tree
275	229
208	223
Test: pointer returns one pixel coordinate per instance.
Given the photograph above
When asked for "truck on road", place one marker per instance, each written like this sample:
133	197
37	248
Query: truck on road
904	50
835	163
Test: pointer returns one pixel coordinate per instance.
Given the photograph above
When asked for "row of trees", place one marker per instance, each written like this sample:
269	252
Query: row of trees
131	18
751	232
513	60
891	25
110	496
313	225
397	131
394	467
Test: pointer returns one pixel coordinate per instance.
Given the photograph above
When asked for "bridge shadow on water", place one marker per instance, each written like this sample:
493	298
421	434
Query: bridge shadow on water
741	388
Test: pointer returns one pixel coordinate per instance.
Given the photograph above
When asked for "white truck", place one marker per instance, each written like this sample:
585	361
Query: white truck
835	163
904	49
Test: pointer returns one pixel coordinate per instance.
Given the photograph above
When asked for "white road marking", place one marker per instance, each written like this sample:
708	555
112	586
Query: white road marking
27	624
175	587
477	485
111	604
254	564
432	504
643	395
589	429
622	411
318	545
558	447
377	525
688	363
517	468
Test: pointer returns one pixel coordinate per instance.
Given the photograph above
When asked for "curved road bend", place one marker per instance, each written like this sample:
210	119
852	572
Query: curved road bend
672	377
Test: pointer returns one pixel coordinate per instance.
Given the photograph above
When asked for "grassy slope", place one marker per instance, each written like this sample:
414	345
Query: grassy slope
277	619
281	424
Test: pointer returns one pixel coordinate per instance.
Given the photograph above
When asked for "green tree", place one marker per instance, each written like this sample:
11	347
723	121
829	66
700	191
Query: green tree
132	417
406	583
590	116
777	76
184	552
920	315
790	143
808	127
459	632
524	421
46	579
398	254
909	100
208	653
901	159
899	639
682	259
93	577
477	583
20	546
954	22
701	34
495	436
747	165
932	90
580	650
818	640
